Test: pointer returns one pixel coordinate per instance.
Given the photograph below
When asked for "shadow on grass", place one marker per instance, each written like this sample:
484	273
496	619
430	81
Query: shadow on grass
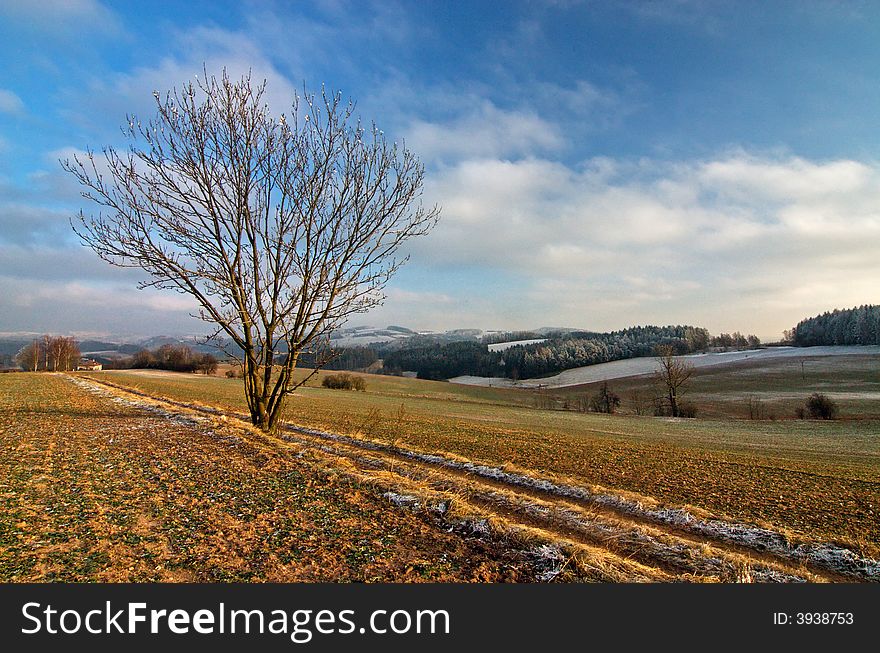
73	411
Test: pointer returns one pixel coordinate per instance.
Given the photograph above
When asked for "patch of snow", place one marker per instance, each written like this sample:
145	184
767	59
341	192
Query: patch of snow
402	500
549	561
824	555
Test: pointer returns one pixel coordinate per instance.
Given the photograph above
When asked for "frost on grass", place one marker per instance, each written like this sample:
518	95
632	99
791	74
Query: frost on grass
824	555
549	562
402	500
175	418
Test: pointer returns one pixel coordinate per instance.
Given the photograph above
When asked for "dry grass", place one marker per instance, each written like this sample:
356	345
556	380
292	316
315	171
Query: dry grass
92	490
818	480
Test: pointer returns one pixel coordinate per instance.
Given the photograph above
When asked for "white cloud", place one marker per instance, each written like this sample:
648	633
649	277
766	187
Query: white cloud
483	131
738	242
10	102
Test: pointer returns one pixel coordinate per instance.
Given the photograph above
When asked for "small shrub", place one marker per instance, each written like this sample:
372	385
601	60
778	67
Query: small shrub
820	406
800	412
344	381
234	373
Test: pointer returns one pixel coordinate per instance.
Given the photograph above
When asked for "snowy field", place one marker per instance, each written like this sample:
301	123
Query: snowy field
637	366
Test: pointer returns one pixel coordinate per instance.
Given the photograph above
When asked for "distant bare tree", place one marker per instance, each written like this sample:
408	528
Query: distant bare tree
46	348
55	353
206	364
64	353
604	401
673	374
640	400
28	357
280	228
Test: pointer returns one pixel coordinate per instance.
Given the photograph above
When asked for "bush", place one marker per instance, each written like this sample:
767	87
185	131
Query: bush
344	382
687	409
819	406
234	373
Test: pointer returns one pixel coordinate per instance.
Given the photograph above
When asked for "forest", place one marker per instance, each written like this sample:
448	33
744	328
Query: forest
854	326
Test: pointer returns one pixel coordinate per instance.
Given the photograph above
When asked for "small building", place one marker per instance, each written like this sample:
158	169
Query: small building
89	365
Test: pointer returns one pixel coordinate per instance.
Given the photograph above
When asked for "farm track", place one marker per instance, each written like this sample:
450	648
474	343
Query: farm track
673	550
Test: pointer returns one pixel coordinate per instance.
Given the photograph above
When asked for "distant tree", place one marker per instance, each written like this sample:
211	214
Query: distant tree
640	401
49	353
143	359
206	364
46	348
28	357
673	375
604	401
63	353
279	227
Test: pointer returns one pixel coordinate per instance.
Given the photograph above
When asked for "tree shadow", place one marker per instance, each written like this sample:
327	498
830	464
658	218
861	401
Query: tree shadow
73	411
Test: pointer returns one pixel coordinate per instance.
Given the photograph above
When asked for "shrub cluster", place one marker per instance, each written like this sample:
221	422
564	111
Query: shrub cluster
818	406
344	381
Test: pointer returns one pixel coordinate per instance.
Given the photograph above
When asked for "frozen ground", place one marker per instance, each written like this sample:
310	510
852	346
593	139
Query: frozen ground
638	366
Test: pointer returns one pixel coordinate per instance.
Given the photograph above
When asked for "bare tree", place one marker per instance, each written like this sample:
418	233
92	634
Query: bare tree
46	347
28	357
280	228
673	374
65	354
55	353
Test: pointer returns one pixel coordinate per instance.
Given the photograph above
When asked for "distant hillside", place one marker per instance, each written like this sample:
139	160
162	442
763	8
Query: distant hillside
552	354
854	326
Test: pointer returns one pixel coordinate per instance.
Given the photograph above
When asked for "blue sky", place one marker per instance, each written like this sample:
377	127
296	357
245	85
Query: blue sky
599	164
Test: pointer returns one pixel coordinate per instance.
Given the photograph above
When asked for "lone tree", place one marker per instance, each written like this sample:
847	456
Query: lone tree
605	401
673	374
279	227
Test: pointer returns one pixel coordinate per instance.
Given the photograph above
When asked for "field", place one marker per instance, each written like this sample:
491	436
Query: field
621	497
94	490
776	386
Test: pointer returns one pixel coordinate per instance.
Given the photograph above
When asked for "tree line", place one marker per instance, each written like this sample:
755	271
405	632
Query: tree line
49	353
343	358
175	358
444	361
854	326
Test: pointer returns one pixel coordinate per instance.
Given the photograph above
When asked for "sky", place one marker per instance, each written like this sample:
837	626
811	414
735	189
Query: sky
599	164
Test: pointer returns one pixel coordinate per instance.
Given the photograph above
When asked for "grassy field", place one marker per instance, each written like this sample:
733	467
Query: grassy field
92	490
780	385
817	479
